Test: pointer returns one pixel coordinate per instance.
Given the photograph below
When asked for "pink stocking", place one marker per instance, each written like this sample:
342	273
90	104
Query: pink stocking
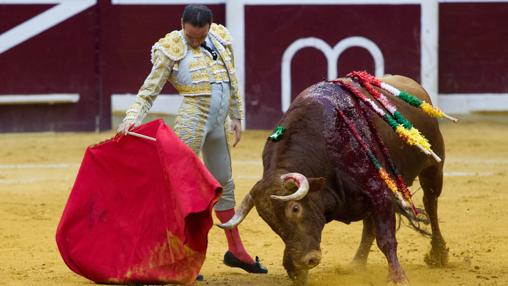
235	244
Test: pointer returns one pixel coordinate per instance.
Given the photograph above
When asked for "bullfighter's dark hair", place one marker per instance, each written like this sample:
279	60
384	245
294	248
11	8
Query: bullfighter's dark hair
197	15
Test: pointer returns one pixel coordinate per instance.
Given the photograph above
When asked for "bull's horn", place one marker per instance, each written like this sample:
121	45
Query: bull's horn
240	214
303	187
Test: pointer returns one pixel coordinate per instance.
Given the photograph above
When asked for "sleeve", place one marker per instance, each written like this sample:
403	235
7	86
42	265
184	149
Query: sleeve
150	89
236	103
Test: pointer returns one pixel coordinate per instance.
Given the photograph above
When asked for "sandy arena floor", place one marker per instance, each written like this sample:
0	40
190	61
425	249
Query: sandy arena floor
38	170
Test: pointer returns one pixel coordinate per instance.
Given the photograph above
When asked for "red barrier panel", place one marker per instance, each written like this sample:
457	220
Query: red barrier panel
473	47
62	59
266	42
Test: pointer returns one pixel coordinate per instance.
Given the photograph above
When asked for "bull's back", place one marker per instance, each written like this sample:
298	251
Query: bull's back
410	160
304	147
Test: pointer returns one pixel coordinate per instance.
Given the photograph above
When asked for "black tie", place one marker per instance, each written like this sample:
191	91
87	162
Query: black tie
212	52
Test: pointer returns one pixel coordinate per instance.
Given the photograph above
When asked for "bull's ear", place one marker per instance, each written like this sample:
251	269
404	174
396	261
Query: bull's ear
316	184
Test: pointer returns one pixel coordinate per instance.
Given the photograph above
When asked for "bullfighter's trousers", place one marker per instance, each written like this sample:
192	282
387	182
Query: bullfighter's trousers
200	124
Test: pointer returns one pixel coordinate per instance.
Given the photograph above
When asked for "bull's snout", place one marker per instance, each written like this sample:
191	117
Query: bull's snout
312	259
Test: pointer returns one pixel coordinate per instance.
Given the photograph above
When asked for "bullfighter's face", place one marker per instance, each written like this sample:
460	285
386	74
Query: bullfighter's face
195	35
298	222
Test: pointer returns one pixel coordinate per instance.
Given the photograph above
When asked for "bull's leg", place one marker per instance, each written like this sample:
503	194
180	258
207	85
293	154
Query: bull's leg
368	235
384	220
431	180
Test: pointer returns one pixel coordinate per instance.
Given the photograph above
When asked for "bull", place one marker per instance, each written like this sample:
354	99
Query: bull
314	175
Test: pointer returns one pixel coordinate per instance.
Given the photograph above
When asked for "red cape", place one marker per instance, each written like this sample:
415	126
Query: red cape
139	211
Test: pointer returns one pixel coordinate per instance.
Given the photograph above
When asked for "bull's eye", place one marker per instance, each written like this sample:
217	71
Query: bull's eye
294	210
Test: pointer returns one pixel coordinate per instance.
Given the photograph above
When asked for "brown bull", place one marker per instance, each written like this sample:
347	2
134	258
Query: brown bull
335	178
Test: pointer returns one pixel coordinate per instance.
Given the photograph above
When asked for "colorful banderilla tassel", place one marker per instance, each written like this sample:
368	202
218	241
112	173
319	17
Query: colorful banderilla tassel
393	168
410	99
410	136
404	200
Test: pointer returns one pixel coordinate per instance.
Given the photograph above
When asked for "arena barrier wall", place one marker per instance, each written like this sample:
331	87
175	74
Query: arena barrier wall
66	64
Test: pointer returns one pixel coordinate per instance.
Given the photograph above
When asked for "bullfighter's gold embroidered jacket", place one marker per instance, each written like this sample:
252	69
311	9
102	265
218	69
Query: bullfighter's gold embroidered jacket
189	70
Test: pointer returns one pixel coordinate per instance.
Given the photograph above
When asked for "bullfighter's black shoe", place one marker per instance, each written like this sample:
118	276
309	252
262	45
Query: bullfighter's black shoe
256	267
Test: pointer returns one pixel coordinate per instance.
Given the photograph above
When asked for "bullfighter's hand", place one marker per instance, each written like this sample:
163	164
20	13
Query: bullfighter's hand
236	128
124	127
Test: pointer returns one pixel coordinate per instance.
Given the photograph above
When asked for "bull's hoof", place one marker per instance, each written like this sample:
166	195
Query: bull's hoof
397	277
437	257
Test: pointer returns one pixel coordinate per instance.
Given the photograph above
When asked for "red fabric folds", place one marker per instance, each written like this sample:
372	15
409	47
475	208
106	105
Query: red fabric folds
139	211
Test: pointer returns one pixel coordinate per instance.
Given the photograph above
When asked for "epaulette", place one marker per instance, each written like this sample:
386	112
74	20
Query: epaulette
172	45
221	33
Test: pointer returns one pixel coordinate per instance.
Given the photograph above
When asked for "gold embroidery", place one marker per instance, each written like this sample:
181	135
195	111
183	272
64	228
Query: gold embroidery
196	65
191	121
202	88
220	74
199	76
172	45
221	33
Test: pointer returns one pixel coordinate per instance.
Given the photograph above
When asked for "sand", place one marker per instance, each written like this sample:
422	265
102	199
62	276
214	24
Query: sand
37	171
